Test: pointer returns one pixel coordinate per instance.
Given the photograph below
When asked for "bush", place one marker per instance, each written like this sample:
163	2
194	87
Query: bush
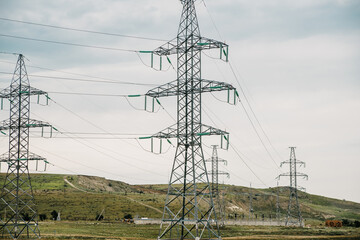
54	215
128	216
26	216
357	224
99	217
42	217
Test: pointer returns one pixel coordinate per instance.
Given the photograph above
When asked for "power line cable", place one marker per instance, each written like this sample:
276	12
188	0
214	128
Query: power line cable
253	125
89	94
83	30
237	153
253	113
84	80
246	99
81	164
251	121
70	44
107	80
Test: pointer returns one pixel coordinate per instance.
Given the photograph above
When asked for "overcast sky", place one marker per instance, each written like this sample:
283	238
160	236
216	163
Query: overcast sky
297	62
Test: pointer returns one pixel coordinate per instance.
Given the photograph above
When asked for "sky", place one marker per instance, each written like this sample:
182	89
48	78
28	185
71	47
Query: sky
295	65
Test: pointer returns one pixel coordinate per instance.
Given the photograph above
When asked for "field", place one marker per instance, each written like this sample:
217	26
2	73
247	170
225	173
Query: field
80	200
95	230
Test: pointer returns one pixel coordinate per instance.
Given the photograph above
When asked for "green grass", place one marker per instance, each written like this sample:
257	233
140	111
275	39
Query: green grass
52	193
92	230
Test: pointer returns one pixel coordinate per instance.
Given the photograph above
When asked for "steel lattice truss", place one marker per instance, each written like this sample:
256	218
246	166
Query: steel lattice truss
214	160
18	217
189	209
294	216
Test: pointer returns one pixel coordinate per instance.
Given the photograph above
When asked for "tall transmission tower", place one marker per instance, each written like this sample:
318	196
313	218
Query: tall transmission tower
294	216
17	200
215	181
189	209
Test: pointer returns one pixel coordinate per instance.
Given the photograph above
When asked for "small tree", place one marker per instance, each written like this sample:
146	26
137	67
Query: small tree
42	217
357	223
128	216
99	217
54	215
26	216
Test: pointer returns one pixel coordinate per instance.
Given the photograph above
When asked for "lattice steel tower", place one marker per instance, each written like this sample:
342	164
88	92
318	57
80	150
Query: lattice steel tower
189	209
214	160
18	217
293	213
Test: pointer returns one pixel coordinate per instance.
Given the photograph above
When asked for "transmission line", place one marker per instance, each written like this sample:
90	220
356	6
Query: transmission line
107	80
70	44
83	30
253	113
81	164
246	99
94	125
84	80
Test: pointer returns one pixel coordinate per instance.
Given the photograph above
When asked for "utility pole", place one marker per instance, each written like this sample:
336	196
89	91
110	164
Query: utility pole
17	198
189	186
293	213
215	182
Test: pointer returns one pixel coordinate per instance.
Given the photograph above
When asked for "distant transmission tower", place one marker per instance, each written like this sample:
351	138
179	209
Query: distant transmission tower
293	213
215	182
17	200
189	208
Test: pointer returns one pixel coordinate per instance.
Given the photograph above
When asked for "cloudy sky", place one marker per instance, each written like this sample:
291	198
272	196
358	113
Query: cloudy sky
296	61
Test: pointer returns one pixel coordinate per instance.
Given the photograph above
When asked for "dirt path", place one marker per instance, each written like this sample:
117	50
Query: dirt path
72	185
131	199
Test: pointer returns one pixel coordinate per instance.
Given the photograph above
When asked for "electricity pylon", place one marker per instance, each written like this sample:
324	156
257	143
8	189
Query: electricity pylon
17	200
189	208
215	182
294	216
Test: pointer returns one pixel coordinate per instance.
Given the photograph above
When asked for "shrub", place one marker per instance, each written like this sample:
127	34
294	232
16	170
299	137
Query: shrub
54	215
357	223
42	217
99	217
128	216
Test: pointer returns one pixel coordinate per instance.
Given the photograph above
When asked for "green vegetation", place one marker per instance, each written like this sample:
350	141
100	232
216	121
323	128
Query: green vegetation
81	200
108	230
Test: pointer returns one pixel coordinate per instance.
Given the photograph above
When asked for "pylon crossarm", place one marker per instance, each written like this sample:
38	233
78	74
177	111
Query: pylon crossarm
305	176
171	88
4	157
283	175
211	86
171	132
200	43
208	130
9	92
301	189
168	89
224	173
167	48
6	124
289	175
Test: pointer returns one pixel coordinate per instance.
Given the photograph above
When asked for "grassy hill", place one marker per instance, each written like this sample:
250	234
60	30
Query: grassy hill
84	197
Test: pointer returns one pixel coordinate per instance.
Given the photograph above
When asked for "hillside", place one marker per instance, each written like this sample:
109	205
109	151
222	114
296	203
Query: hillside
84	197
